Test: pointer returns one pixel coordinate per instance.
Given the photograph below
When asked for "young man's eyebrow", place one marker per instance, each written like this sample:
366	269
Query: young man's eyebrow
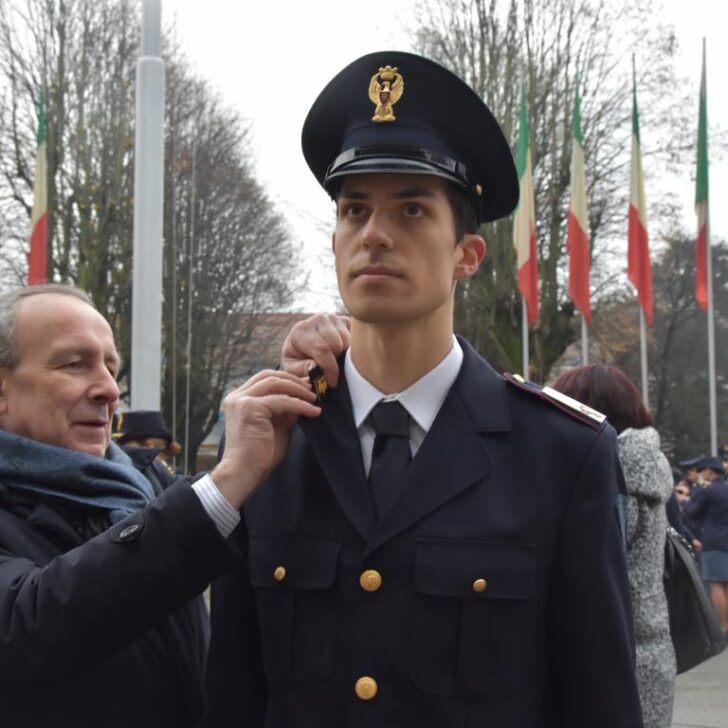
355	194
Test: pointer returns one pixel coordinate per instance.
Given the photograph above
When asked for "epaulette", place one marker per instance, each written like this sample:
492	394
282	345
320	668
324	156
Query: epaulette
568	405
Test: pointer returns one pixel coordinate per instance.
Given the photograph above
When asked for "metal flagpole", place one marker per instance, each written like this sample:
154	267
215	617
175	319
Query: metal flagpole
146	317
584	342
711	338
711	312
643	358
524	329
190	297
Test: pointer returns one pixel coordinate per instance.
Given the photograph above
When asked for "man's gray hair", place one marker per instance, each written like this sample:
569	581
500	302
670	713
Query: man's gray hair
9	302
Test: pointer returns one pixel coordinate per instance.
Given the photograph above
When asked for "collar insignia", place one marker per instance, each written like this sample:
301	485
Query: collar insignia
318	383
385	90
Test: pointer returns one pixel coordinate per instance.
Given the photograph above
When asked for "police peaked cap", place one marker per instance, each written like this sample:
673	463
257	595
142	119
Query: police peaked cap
398	113
712	463
138	424
691	462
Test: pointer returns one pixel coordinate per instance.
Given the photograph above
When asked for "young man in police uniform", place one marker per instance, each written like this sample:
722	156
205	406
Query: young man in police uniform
470	587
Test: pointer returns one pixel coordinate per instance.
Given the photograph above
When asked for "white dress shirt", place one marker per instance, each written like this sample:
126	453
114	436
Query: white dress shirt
422	400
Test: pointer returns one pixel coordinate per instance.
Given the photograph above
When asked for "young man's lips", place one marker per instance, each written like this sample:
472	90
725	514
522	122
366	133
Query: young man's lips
377	272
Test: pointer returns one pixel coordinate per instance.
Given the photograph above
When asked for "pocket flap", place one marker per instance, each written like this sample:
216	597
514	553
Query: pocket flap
283	562
477	569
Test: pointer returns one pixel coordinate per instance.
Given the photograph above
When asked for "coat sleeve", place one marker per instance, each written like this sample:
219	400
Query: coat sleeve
592	640
71	613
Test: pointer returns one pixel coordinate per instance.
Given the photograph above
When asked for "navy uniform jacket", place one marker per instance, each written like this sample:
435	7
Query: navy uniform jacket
503	600
709	506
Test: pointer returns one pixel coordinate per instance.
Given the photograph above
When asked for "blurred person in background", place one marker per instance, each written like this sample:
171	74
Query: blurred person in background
648	480
690	470
708	505
144	435
676	517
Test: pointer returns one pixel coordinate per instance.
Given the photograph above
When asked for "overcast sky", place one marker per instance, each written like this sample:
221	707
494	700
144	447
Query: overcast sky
296	47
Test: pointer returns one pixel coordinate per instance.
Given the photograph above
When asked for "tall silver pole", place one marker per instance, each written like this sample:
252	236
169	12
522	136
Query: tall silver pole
190	299
584	342
643	358
146	312
524	330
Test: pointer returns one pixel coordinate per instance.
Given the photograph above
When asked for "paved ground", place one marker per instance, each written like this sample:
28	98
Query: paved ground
701	695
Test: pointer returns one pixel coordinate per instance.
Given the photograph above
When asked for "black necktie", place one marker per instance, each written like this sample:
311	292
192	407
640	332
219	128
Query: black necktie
391	454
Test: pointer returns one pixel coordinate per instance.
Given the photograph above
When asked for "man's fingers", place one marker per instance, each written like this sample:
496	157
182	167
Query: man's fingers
267	380
318	340
335	339
290	385
281	405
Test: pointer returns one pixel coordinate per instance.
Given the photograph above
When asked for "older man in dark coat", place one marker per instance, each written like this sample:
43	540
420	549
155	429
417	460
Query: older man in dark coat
101	559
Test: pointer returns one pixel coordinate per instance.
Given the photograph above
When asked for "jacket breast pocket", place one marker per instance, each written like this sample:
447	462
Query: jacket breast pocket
297	607
470	616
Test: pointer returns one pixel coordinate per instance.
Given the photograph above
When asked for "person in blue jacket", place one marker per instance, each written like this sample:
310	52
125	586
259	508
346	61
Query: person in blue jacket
708	505
440	546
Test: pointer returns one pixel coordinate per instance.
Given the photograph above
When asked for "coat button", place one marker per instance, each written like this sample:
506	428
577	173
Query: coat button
370	580
365	688
480	585
128	533
280	573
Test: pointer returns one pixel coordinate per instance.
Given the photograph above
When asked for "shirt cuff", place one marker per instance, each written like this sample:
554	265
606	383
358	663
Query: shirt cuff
225	517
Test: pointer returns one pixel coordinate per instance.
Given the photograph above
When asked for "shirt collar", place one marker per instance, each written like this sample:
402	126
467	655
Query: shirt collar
422	399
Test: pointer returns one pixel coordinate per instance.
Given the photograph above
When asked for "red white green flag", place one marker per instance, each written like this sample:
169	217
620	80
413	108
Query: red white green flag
39	220
524	223
701	200
577	238
638	251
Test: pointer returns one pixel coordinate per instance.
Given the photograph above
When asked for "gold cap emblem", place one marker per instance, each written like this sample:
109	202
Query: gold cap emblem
385	90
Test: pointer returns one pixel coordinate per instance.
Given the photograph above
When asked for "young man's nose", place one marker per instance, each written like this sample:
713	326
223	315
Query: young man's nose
375	233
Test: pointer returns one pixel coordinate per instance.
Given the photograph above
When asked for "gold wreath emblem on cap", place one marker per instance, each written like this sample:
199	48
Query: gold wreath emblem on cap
385	90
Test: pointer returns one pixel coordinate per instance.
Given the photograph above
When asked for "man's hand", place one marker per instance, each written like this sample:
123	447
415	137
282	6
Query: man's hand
259	417
317	340
697	545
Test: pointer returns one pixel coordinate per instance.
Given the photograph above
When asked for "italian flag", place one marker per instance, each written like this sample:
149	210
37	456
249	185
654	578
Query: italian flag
39	221
577	239
638	251
524	223
701	201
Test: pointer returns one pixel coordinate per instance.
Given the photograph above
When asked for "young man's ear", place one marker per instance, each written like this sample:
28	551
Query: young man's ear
333	242
472	251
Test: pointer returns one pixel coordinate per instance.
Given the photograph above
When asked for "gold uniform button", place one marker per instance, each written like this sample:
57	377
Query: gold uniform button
370	580
480	585
365	688
280	573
